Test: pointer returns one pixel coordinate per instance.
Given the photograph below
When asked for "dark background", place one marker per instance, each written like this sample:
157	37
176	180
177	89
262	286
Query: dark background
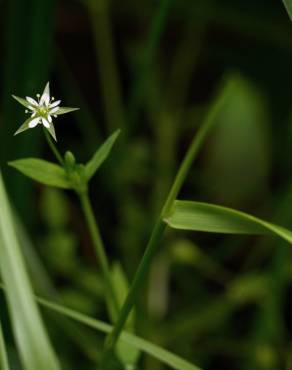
152	68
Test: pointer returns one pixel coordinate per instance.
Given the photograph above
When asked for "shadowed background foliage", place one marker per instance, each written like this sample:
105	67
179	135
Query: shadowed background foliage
151	68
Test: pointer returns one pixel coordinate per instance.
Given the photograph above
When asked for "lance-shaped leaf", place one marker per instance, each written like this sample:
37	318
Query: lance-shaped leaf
30	335
288	6
46	173
100	155
197	216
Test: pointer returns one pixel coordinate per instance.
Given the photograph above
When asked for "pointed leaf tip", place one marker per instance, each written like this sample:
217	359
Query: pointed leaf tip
100	155
198	216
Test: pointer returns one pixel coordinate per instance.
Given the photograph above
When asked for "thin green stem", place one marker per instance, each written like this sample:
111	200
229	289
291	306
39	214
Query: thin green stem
3	354
159	228
99	249
96	237
54	148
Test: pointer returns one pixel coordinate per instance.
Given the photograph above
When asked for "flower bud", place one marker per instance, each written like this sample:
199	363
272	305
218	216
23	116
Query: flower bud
70	159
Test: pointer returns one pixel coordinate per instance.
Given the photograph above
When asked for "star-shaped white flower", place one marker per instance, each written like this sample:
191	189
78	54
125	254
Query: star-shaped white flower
42	110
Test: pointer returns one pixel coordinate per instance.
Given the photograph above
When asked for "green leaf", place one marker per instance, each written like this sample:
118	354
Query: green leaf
42	171
288	6
22	101
3	353
166	357
64	110
100	155
31	338
196	216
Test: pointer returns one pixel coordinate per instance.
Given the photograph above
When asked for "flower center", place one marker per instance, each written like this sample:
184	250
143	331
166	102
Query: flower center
43	111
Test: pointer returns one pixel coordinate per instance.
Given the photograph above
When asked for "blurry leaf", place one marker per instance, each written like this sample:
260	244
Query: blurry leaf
196	216
78	300
3	353
243	121
54	207
34	346
60	251
166	357
186	252
248	288
127	354
100	155
42	171
288	6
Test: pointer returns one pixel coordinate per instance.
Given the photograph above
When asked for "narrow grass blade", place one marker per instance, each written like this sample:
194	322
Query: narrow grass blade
45	172
31	338
3	353
196	216
166	357
42	285
288	6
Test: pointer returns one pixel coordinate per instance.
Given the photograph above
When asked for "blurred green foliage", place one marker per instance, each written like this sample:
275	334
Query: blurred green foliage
151	68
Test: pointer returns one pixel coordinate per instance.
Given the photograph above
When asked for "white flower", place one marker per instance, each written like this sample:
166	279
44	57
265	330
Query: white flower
42	110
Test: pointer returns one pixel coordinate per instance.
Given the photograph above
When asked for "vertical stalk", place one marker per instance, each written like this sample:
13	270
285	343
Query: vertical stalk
108	69
95	234
160	226
99	249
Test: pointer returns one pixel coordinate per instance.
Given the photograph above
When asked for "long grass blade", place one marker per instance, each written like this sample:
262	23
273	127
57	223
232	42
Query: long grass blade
166	357
3	353
31	338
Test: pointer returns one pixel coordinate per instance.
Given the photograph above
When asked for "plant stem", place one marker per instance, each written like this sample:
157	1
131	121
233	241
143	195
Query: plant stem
99	249
160	226
96	237
54	148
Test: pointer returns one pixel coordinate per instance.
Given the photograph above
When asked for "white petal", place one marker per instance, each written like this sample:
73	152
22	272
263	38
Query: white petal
45	123
45	98
34	113
34	122
49	118
52	111
31	101
57	102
